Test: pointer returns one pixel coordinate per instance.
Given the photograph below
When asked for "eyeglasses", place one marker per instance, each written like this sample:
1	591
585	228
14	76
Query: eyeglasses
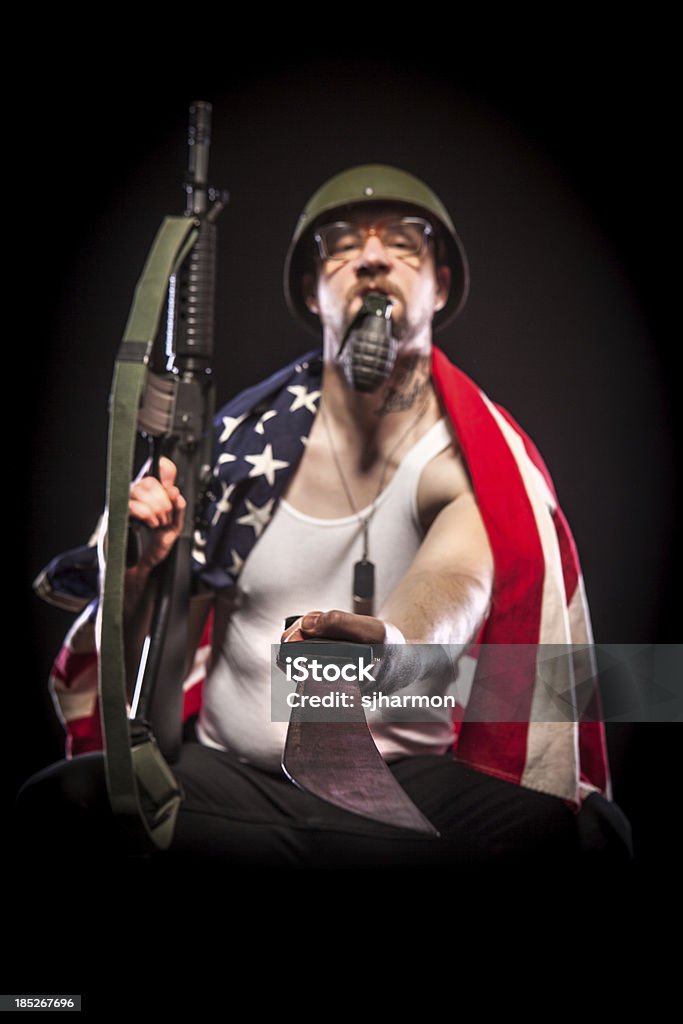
401	238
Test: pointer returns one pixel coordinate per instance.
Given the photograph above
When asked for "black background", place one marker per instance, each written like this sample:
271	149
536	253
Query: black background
551	145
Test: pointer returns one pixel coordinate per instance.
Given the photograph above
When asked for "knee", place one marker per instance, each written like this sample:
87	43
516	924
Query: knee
605	834
78	783
54	807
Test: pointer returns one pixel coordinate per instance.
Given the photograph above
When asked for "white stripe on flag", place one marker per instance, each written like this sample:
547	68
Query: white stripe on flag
199	668
71	704
552	755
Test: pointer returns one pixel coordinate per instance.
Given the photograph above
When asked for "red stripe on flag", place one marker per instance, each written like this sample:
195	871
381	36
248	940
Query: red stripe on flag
593	755
192	700
84	735
497	747
504	506
68	664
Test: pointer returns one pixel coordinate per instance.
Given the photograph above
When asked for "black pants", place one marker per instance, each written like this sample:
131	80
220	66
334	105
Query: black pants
236	815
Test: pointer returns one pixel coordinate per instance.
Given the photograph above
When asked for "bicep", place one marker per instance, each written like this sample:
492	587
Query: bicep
446	592
457	543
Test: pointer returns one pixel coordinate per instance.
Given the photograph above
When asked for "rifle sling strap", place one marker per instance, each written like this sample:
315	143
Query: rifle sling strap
134	766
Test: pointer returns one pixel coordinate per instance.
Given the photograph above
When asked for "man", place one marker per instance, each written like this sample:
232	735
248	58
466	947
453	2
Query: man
374	489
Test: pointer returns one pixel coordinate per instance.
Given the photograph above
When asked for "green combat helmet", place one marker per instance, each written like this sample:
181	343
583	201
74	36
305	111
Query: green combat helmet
364	184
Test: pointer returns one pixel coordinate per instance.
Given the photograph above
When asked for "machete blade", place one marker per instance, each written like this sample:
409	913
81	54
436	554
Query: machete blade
339	762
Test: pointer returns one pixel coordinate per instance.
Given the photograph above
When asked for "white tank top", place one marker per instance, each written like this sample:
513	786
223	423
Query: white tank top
301	563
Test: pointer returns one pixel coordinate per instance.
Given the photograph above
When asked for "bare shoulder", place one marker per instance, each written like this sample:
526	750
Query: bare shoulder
444	479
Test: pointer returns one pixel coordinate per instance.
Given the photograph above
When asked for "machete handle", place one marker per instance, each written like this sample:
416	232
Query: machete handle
294	644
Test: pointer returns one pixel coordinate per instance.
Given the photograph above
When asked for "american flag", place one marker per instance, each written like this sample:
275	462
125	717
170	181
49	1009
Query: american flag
539	598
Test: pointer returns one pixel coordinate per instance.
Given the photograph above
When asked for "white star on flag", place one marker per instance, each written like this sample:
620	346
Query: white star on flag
223	505
265	465
303	398
230	423
226	457
257	518
237	563
264	419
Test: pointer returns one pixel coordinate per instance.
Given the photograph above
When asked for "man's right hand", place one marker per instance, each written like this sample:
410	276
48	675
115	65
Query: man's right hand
159	505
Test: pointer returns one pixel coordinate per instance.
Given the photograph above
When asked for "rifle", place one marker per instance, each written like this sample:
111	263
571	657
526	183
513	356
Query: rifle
165	394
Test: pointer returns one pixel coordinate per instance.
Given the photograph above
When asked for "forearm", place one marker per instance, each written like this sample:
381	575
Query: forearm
439	611
159	506
437	608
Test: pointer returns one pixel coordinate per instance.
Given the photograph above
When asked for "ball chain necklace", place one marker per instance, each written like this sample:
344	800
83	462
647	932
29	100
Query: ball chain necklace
364	570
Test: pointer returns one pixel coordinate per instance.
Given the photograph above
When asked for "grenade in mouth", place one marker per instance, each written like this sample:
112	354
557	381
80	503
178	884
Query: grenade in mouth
367	354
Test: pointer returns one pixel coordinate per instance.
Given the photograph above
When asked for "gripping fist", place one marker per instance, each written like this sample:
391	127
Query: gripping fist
160	506
401	663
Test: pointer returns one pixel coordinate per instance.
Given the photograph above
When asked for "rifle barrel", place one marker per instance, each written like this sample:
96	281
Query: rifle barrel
198	144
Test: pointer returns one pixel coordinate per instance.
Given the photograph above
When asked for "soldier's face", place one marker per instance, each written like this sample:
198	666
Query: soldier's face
374	254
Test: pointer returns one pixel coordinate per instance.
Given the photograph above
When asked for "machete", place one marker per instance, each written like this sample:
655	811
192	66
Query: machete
332	754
